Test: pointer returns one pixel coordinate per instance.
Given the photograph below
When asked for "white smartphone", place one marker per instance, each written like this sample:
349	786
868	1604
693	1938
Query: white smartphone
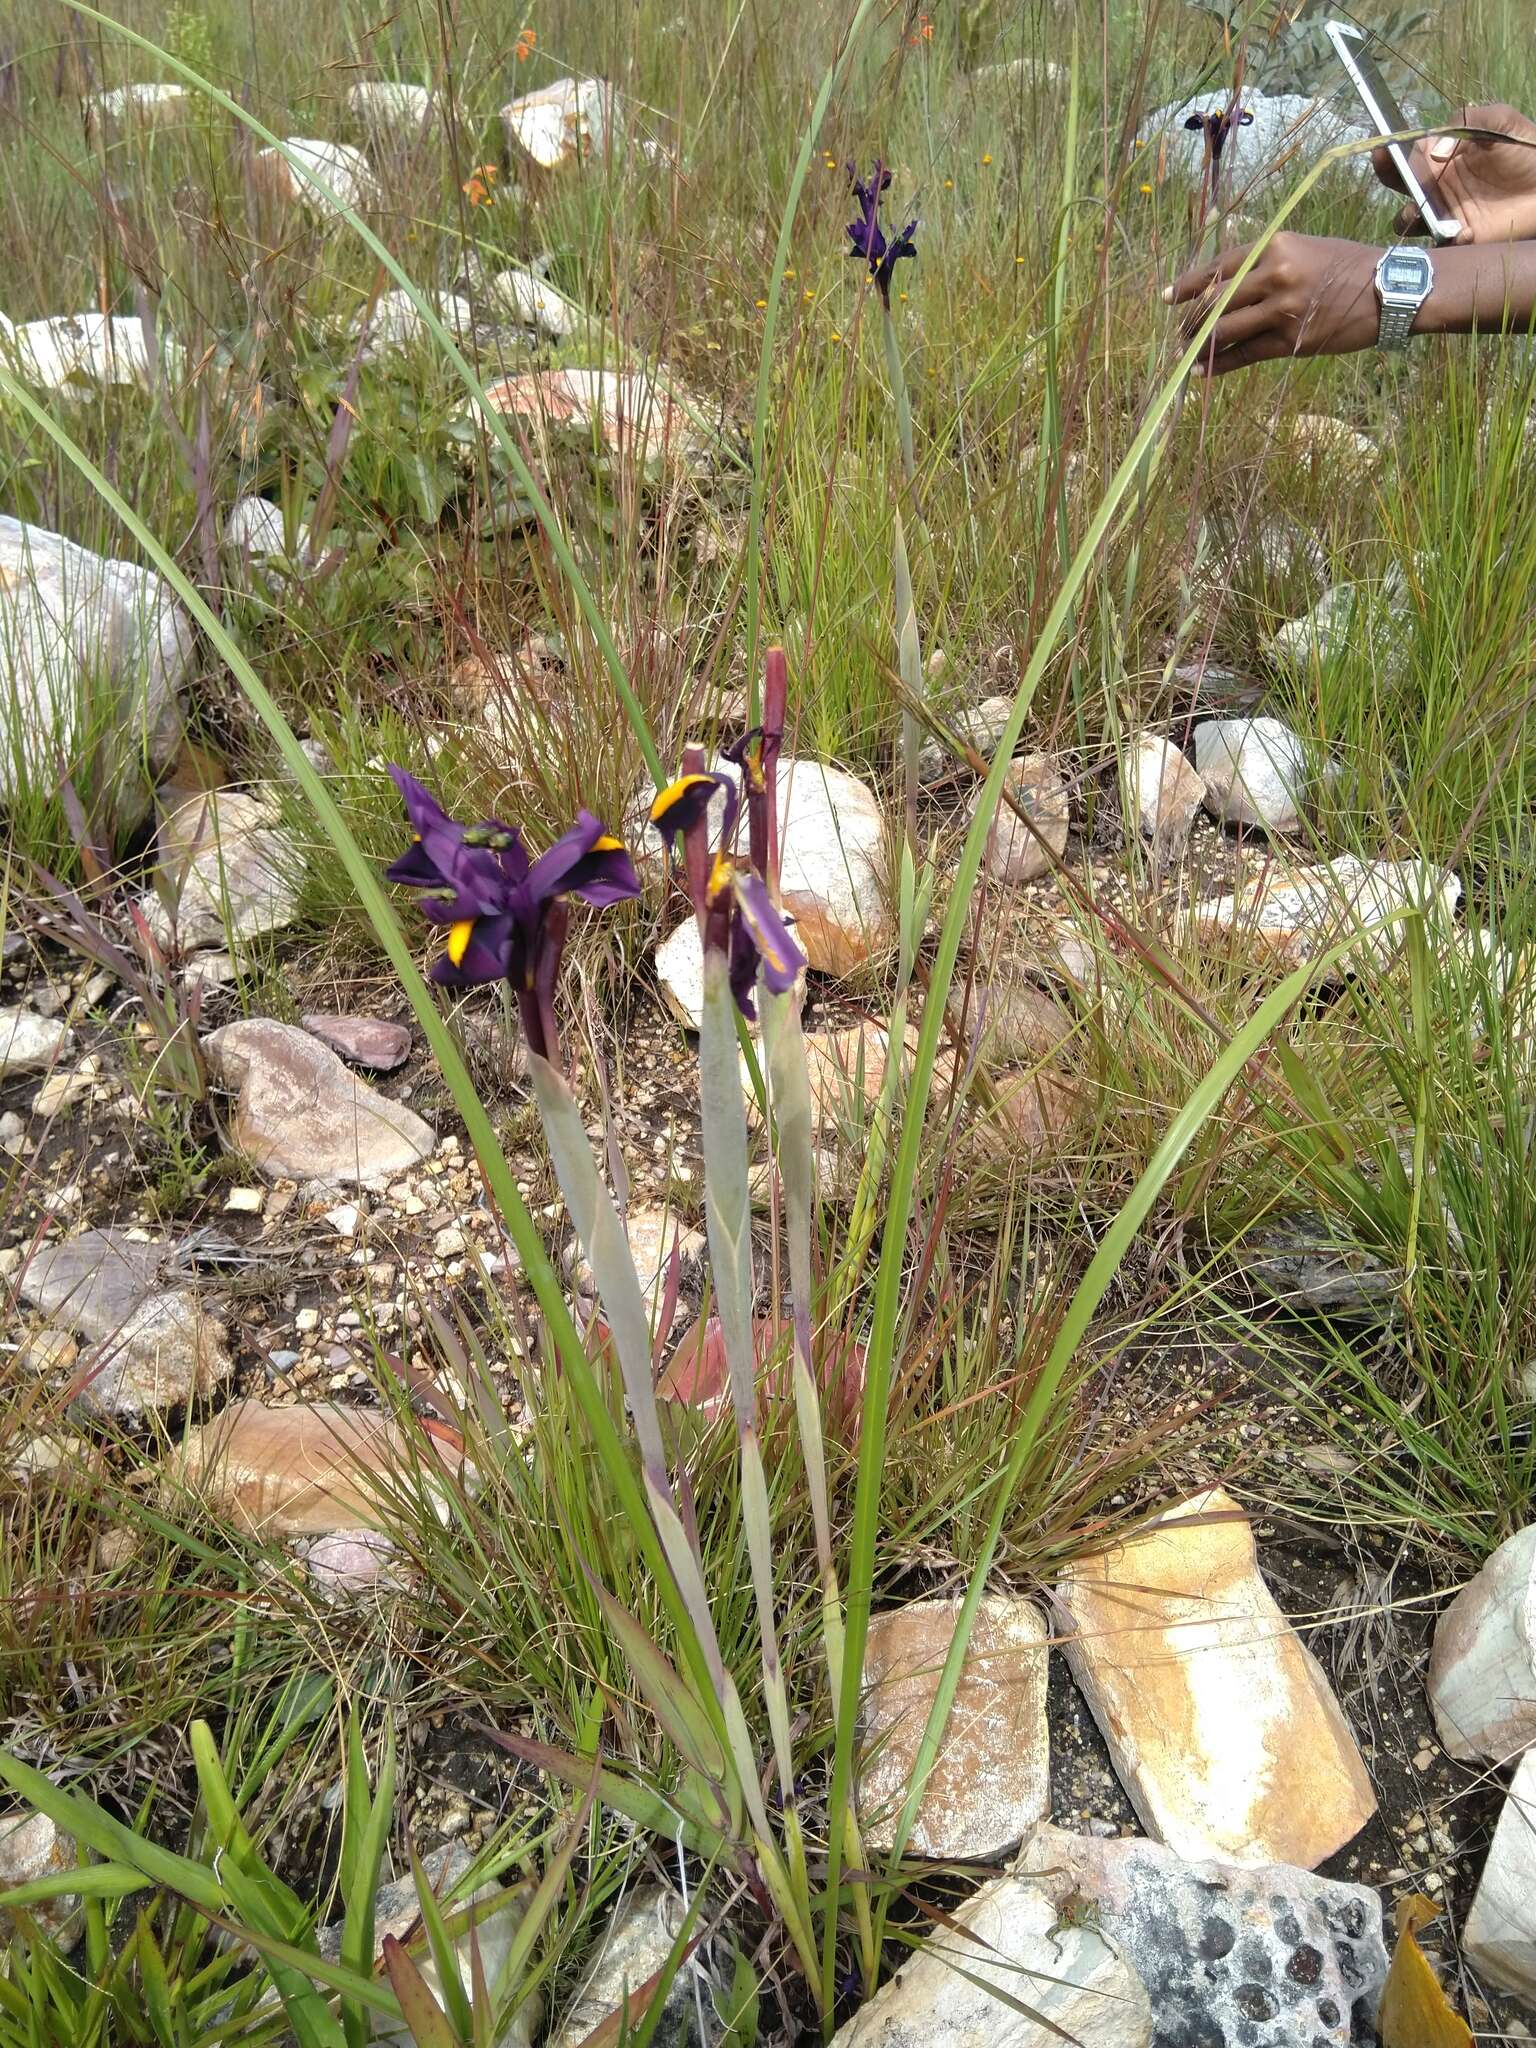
1353	47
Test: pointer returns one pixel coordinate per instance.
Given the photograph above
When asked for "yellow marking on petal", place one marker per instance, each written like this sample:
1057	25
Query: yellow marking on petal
459	936
721	874
607	844
674	794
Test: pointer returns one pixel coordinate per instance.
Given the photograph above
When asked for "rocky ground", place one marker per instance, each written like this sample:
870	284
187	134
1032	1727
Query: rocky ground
1196	1779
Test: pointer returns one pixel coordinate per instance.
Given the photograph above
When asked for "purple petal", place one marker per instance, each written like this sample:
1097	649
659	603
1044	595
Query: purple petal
585	856
486	956
415	869
685	803
743	970
608	876
781	957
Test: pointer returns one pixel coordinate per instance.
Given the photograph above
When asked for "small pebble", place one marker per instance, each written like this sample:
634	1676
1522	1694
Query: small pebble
246	1201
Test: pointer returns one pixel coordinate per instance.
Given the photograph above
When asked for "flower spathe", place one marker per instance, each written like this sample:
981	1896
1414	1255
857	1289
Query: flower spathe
866	236
505	913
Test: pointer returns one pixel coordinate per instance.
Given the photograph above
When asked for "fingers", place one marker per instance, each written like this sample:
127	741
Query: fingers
1233	329
1384	166
1204	277
1268	347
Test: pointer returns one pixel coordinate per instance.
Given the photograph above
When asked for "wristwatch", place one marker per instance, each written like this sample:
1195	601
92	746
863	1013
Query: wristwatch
1405	277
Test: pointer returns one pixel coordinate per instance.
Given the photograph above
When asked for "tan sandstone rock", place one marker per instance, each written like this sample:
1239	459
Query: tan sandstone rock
990	1781
1220	1722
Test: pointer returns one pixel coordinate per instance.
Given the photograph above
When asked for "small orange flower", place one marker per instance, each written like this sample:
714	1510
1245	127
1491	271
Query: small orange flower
477	186
523	48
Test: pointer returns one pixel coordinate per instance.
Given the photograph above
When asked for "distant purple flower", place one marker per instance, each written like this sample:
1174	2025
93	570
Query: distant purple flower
505	914
867	238
1217	126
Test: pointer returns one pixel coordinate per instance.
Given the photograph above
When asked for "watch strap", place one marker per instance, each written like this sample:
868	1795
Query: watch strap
1396	325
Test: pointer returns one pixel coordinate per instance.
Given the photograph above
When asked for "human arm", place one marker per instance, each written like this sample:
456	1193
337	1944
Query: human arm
1486	179
1311	295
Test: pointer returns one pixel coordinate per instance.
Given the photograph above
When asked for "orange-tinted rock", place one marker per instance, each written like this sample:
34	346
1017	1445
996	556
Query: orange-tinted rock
301	1471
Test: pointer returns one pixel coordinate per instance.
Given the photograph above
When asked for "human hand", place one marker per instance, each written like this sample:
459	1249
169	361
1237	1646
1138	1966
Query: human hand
1307	295
1489	186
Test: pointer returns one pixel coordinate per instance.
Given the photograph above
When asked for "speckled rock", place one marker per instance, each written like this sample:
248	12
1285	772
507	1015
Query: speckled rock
1298	1263
1499	1939
1267	1957
634	1947
88	646
1255	772
33	1847
1220	1722
372	1042
990	1781
301	1115
1482	1671
228	871
28	1041
153	1346
1163	791
1014	852
1299	913
1008	1947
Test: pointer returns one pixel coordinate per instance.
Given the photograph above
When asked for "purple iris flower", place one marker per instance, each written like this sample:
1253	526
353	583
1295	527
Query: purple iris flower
505	913
1217	126
736	911
866	236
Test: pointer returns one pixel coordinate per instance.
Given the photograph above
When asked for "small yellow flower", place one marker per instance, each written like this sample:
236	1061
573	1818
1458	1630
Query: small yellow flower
949	184
761	305
789	274
807	294
987	159
1018	259
477	186
903	297
1145	188
835	335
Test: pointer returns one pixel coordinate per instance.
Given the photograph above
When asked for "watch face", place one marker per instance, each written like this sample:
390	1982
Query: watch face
1406	271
